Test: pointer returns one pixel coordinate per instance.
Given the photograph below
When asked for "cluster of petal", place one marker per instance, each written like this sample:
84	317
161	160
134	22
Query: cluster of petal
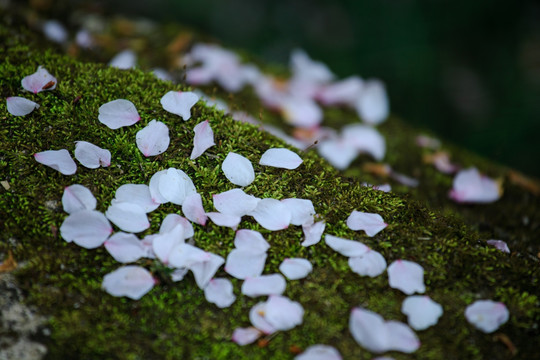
219	291
421	311
153	139
179	103
470	186
371	264
19	106
78	197
345	247
203	139
131	281
370	223
59	160
125	59
39	81
319	352
92	156
487	315
118	113
295	268
86	228
238	169
281	158
406	276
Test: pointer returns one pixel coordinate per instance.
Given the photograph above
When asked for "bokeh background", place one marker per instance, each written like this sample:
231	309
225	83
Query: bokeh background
468	70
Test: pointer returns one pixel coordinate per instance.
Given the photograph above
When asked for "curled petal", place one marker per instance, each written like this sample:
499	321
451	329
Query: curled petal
487	315
257	316
92	156
406	276
283	313
302	211
153	139
227	220
313	233
125	247
319	352
136	194
295	268
346	247
128	217
238	169
421	311
39	81
131	281
19	106
371	264
86	228
220	292
118	113
77	197
281	158
264	285
204	138
235	202
370	223
245	336
58	160
272	214
243	264
192	207
179	103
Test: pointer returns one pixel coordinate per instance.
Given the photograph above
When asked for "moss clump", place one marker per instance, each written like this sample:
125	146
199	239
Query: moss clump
174	320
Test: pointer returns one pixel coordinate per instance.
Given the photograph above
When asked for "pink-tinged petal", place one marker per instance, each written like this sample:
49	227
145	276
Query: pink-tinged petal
243	264
313	233
295	268
148	243
125	59
86	228
162	74
344	92
238	169
206	270
125	247
301	112
337	152
304	67
136	194
257	316
421	311
118	113
372	106
500	245
487	315
179	103
130	281
365	139
203	139
345	247
272	214
371	264
235	202
319	352
471	187
92	156
186	255
179	274
219	291
128	217
154	187
164	243
192	207
227	220
370	223
84	39
19	106
404	179
273	284
401	337
175	185
171	221
250	240
302	211
59	160
406	276
153	139
280	158
77	197
283	313
246	336
55	31
39	81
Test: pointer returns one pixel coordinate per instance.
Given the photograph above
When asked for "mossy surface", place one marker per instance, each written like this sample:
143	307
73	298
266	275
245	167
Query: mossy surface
174	321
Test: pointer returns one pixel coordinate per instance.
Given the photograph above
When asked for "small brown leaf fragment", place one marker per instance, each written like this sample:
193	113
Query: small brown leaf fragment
48	85
506	341
377	169
295	349
76	100
9	263
263	343
525	182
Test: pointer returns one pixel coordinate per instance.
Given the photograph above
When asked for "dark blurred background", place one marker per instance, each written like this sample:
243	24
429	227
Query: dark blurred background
468	70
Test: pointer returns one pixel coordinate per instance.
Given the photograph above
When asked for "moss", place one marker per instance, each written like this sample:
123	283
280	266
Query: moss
174	320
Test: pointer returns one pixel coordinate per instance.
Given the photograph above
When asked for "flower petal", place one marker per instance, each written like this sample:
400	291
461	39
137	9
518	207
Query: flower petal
295	268
92	156
164	243
372	106
39	81
125	247
243	264
55	31
219	291
264	285
19	106
227	220
153	139
172	220
175	185
371	264
250	240
365	139
500	245
401	337
272	214
238	169
179	103
125	59
487	315
192	207
337	152
406	276
471	187
245	336
86	228
131	281
203	139
77	197
313	233
302	211
369	222
257	317
235	202
128	217
346	247
319	352
136	194
281	158
118	113
421	311
58	160
283	313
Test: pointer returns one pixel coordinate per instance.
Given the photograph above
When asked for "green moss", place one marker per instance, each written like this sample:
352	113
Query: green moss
174	320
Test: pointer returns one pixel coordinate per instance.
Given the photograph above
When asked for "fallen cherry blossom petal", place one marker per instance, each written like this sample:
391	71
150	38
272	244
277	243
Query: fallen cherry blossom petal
235	202
302	211
172	220
205	270
164	243
92	156
179	274
421	311
257	316
118	113
365	139
203	139
238	169
219	291
227	220
337	152
19	106
59	160
500	245
272	214
39	81
185	255
371	264
313	233
154	187
280	158
78	197
245	336
147	243
487	315
370	223
125	59
84	39
136	194
372	106
306	68
125	247
243	264
319	352
471	187
250	240
406	276
283	313
175	185
264	285
192	207
130	281
346	247
345	92
153	139
295	268
179	103
301	112
128	217
86	228
55	31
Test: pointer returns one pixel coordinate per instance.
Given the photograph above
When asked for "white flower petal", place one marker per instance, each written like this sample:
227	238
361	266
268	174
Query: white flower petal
337	152
346	92
202	264
171	221
313	233
487	315
295	268
370	223
128	217
235	202
500	245
301	111
345	247
77	197
272	214
153	139
245	336
243	264
86	228
471	187
238	169
227	220
164	243
406	276
125	59
264	285
319	352
257	317
92	156
179	103
421	311
302	211
401	337
250	240
371	264
281	158
219	291
136	194
282	313
118	113
131	281
203	139
179	274
154	187
59	160
19	106
125	247
192	207
175	185
365	139
55	31
39	81
372	106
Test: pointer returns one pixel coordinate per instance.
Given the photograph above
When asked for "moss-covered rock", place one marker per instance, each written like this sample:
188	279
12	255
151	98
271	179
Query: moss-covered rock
174	321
